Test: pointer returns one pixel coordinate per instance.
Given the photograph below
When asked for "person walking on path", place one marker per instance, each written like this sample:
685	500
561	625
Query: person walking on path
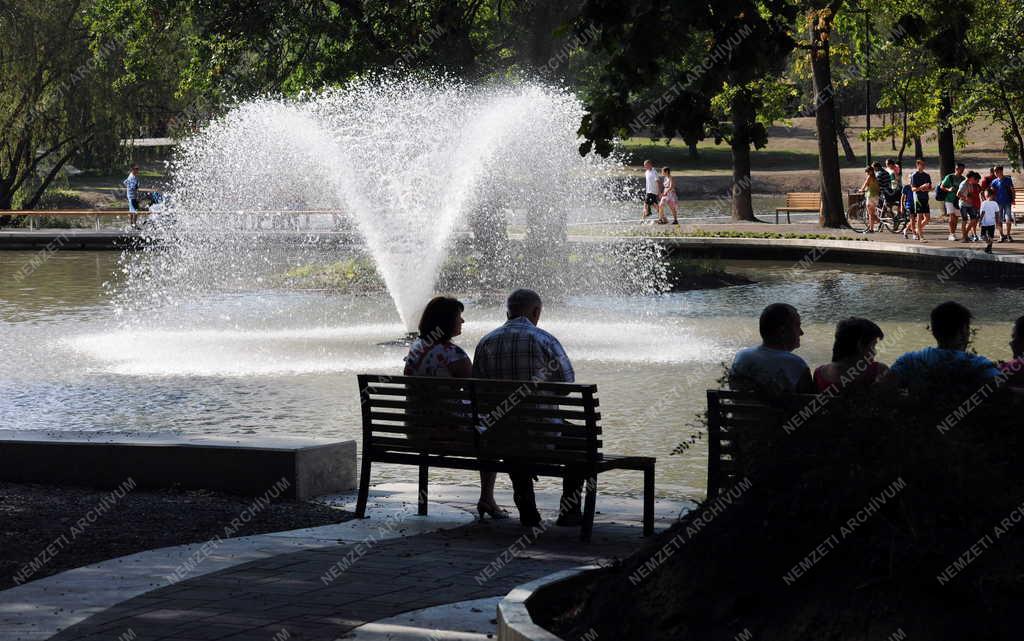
131	184
434	354
969	194
652	188
949	186
872	191
921	184
668	197
989	218
1003	186
521	351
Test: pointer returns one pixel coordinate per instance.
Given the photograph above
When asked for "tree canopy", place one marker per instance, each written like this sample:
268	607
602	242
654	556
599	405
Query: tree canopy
82	75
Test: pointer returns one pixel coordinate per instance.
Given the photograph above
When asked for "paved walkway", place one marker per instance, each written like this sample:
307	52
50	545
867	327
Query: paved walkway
936	235
328	590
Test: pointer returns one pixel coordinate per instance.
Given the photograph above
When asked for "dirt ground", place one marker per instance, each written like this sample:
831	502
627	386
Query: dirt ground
38	524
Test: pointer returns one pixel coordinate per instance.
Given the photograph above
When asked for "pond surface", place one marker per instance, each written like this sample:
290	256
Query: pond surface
284	362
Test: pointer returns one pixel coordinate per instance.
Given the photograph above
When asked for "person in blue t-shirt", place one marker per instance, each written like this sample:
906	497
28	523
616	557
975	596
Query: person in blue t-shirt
1004	198
948	363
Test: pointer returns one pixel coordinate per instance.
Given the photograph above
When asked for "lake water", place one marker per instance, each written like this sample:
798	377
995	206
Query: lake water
284	362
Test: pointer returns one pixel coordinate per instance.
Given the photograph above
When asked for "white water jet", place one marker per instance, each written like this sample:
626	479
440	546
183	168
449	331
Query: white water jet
406	164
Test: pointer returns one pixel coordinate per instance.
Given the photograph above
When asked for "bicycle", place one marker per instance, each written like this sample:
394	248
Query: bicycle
889	215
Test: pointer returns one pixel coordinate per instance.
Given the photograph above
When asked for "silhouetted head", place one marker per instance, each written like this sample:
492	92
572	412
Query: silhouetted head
951	325
1017	338
856	338
780	326
441	319
525	303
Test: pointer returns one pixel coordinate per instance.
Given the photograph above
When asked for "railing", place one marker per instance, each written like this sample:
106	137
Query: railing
253	216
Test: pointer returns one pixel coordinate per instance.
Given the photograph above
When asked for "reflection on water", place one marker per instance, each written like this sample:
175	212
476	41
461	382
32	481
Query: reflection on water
284	362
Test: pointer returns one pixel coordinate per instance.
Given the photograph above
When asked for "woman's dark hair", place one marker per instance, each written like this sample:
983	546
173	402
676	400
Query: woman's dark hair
851	333
437	324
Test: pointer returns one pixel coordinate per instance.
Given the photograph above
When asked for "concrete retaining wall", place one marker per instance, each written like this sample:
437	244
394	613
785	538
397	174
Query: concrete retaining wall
250	467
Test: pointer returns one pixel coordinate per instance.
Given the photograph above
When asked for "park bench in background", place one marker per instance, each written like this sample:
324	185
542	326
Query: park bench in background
805	201
549	429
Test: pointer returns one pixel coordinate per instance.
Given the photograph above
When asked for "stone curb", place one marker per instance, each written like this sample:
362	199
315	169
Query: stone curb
514	620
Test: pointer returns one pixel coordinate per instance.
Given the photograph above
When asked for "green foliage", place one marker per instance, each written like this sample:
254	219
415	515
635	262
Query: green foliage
56	100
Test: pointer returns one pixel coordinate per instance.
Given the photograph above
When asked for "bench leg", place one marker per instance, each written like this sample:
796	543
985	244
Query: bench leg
423	490
364	488
589	508
649	501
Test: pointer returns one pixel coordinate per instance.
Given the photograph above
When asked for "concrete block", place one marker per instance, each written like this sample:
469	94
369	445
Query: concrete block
249	466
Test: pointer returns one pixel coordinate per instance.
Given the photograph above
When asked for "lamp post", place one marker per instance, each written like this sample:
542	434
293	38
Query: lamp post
867	81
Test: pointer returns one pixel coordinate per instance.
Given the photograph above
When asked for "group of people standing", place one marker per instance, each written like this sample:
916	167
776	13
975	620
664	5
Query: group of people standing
980	205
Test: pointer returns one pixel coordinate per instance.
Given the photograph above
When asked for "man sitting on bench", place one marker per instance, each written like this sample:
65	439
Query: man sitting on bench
772	368
519	350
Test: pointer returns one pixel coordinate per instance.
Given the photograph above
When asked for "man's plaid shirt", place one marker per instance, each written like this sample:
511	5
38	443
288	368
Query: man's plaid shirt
519	350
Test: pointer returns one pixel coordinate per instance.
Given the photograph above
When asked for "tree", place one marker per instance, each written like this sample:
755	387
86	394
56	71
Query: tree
942	31
51	104
664	65
821	15
998	86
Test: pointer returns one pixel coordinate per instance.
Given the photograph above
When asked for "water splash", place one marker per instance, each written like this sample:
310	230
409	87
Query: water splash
408	166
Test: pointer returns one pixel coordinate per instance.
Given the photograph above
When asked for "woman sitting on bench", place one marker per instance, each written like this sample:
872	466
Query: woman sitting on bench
434	354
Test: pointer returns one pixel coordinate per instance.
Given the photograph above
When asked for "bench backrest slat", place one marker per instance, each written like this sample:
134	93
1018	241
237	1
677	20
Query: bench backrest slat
424	415
730	413
803	199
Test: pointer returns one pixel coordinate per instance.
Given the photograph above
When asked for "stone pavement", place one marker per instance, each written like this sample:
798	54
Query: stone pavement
326	592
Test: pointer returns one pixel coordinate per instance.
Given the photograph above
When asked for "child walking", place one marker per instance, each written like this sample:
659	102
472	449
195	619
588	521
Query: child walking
989	213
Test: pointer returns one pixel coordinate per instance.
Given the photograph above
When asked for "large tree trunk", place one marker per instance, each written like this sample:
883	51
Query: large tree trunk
743	115
918	148
903	144
845	142
832	210
947	147
1015	128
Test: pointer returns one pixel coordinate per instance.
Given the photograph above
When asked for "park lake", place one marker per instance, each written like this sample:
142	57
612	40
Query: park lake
279	360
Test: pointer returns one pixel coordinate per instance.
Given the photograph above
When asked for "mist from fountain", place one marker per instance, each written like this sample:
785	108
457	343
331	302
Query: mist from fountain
405	163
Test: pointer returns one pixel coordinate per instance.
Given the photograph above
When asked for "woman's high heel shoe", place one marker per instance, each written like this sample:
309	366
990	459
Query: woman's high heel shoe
493	511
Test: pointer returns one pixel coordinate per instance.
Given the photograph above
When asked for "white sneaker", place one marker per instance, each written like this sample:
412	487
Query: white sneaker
952	237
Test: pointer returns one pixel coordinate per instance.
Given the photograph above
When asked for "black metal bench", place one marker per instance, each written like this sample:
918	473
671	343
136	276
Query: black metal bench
547	429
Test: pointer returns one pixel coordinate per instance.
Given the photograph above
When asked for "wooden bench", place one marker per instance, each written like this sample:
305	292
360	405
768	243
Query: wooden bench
729	413
546	429
808	201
